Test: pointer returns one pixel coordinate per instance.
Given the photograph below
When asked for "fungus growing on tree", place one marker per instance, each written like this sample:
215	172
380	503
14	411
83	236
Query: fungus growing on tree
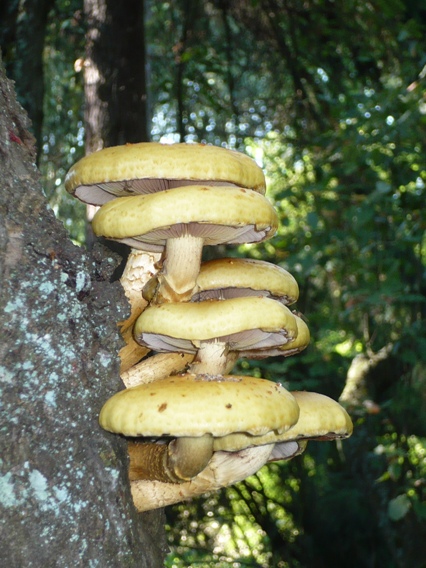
193	427
189	412
180	222
215	328
224	278
148	167
320	418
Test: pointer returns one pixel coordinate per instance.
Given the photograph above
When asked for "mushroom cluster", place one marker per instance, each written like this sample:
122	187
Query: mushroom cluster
193	426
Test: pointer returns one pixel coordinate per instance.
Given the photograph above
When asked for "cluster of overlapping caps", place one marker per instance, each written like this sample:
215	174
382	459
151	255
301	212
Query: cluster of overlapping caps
194	426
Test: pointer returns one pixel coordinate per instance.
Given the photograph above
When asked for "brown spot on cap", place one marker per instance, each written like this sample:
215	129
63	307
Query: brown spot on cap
162	407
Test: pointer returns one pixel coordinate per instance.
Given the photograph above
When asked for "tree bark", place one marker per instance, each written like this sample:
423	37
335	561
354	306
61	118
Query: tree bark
114	74
115	89
64	492
24	35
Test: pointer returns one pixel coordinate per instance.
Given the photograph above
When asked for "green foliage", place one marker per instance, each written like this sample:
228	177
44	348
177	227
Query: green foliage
63	127
329	98
351	202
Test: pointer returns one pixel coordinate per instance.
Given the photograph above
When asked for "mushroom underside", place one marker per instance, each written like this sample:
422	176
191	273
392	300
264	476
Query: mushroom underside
211	234
241	341
234	292
224	469
100	193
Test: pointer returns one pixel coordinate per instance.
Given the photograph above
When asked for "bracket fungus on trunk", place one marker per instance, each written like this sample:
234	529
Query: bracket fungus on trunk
191	426
149	167
320	418
191	411
213	328
225	278
179	222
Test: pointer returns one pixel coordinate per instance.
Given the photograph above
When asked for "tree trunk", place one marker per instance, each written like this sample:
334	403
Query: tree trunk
24	37
115	89
114	74
64	492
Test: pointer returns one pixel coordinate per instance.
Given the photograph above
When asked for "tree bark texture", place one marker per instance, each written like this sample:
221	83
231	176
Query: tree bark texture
24	34
64	491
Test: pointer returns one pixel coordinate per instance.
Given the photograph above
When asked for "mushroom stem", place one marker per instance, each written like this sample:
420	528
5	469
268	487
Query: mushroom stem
176	462
156	367
225	468
177	278
213	358
147	461
140	267
189	456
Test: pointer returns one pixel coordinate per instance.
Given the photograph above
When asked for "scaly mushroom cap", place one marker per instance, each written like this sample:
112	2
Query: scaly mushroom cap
195	405
215	214
242	323
321	418
292	347
234	277
149	167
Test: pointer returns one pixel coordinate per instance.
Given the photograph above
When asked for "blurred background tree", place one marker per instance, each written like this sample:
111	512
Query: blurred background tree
329	98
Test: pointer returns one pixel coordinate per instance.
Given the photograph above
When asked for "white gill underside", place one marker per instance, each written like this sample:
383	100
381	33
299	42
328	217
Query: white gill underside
101	193
211	234
244	340
228	293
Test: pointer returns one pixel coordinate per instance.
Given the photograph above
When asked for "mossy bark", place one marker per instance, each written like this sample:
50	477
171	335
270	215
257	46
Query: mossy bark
64	492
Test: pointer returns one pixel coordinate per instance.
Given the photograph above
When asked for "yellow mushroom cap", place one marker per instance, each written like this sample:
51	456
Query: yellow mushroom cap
231	277
243	323
150	166
196	405
215	214
321	418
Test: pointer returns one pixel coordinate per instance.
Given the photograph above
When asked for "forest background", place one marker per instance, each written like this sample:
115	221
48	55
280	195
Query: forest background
329	97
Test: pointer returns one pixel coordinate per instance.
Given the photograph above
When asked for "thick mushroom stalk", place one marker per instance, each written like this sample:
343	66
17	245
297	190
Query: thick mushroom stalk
174	462
140	268
214	358
156	367
224	469
181	265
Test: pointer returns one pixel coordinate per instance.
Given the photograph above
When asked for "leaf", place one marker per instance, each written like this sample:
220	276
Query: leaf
420	509
398	507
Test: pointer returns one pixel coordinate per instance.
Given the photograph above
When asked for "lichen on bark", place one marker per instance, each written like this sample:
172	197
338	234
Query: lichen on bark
64	492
